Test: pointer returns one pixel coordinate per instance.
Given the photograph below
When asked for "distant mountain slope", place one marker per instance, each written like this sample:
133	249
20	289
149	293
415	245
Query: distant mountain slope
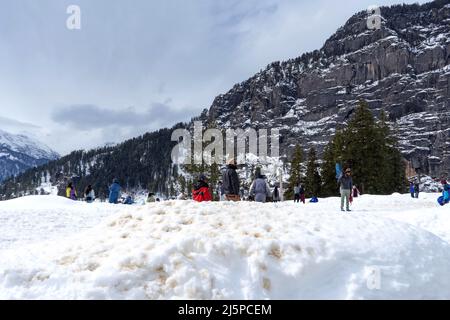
402	68
139	162
19	153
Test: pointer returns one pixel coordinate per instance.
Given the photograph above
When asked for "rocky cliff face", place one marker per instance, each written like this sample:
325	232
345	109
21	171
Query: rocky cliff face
402	68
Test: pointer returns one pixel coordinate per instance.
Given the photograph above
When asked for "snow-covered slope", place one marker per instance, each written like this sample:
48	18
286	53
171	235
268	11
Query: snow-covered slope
388	247
24	144
20	152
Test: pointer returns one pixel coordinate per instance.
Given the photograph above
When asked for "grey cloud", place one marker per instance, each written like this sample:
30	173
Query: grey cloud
8	123
90	117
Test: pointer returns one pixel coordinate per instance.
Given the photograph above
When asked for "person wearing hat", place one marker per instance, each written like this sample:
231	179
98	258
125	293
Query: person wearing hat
231	182
201	190
346	186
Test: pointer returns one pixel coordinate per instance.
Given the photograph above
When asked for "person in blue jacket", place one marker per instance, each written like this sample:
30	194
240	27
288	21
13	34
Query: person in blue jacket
411	189
445	192
114	192
128	200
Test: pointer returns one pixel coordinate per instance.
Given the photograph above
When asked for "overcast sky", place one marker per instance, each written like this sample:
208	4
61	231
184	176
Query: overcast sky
135	66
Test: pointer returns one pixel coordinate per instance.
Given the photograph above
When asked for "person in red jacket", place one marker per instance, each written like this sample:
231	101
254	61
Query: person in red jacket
201	190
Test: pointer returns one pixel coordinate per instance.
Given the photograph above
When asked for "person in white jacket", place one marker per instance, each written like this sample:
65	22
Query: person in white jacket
89	194
260	189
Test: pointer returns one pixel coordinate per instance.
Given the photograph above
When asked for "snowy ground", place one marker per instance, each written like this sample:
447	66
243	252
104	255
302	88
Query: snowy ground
388	247
35	219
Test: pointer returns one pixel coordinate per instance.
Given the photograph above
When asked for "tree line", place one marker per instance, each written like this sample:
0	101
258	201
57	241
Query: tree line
365	145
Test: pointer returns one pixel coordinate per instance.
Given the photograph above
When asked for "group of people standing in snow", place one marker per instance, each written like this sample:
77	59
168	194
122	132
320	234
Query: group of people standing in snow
71	193
229	188
299	193
89	193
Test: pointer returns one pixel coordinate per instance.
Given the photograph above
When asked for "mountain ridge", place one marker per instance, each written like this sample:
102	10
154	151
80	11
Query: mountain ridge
403	69
19	152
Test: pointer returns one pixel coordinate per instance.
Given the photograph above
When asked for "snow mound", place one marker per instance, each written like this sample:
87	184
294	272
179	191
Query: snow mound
35	219
187	250
38	202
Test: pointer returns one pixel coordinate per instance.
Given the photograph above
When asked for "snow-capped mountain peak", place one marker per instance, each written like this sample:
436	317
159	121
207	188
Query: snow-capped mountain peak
24	144
19	152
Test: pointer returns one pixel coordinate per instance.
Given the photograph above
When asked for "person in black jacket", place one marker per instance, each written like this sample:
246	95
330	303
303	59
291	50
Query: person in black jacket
276	194
416	190
231	182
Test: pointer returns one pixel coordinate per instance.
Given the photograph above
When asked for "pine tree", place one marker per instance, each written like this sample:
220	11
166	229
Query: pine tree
214	177
189	188
313	181
394	177
214	173
370	149
363	149
182	183
295	172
